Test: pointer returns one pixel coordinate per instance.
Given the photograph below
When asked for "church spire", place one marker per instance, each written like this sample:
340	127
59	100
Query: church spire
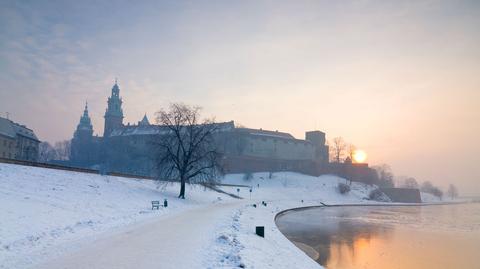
85	111
144	121
85	124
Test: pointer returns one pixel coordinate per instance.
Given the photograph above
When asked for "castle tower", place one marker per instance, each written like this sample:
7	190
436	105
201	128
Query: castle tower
144	121
84	128
114	113
82	141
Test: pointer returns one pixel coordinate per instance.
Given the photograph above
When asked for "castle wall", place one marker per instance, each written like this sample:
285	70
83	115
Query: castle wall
403	195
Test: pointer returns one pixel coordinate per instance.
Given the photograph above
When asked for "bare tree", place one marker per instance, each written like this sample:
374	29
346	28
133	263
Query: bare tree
351	151
410	183
187	151
46	152
385	176
62	150
452	191
338	149
428	187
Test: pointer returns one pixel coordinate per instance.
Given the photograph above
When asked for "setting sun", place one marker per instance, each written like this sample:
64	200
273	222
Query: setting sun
359	156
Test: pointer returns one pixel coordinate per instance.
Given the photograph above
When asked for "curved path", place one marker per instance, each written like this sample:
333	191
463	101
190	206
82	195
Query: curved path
177	241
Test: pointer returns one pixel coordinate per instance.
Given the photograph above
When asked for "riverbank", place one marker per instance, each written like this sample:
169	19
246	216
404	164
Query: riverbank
49	216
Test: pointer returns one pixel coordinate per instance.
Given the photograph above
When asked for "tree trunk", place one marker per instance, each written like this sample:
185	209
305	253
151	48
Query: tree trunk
182	188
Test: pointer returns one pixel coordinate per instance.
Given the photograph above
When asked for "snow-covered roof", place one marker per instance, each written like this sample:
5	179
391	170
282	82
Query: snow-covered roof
6	128
159	130
12	129
260	132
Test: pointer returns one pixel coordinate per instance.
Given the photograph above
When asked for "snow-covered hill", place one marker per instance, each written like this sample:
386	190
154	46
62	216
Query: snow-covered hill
44	212
294	186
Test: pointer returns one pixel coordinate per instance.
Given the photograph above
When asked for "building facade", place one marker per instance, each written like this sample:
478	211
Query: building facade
17	141
129	148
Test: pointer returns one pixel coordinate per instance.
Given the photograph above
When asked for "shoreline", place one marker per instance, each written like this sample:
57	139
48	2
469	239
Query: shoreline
370	204
307	251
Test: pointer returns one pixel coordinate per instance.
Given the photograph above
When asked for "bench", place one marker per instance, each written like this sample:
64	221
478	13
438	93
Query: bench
155	205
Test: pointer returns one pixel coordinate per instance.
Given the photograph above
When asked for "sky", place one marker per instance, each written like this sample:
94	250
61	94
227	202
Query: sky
398	79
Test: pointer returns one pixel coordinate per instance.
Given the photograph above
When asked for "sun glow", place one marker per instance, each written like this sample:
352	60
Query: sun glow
359	156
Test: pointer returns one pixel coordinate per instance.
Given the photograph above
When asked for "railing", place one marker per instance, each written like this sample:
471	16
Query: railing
87	170
49	165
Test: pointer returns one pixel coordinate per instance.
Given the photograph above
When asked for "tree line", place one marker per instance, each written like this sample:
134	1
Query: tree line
60	150
387	179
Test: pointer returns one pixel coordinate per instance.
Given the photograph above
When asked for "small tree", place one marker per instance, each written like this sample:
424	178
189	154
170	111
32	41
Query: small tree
187	151
410	183
343	188
62	150
338	149
428	187
248	176
351	151
452	191
46	152
385	176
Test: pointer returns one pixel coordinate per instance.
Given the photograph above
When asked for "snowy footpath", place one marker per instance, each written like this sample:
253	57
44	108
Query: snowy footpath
59	219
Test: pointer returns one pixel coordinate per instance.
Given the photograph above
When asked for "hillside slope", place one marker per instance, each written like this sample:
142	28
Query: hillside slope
45	212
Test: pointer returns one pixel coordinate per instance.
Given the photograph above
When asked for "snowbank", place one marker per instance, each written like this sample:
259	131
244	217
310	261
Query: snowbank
429	198
47	212
237	243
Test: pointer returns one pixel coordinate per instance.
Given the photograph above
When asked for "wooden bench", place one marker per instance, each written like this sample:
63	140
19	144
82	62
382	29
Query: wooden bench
155	205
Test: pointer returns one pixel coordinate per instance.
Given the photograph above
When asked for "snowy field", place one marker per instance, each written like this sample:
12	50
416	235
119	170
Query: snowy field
60	219
47	212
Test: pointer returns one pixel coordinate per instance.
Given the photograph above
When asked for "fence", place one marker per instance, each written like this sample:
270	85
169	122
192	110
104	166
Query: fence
90	171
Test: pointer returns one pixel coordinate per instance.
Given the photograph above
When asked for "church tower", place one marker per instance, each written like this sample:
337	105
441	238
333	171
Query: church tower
84	128
114	113
82	142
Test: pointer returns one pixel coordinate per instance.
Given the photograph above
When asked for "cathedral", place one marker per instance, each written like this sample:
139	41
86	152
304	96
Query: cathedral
127	148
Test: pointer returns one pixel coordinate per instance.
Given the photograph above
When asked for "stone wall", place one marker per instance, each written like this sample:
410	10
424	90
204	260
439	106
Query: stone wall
402	195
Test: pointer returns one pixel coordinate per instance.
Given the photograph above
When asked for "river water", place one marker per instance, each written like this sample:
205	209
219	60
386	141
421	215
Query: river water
384	237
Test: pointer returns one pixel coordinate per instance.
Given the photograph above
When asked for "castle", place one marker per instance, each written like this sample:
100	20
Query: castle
127	148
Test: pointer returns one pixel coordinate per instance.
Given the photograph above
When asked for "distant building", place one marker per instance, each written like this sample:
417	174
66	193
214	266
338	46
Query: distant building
85	148
17	141
129	148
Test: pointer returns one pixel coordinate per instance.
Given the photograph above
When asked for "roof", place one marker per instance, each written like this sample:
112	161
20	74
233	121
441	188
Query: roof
260	132
12	129
158	129
24	131
144	121
6	128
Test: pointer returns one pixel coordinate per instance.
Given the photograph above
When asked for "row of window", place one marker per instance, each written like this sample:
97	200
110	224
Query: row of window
10	144
5	155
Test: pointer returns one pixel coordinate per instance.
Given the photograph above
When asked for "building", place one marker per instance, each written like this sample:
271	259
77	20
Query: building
7	139
17	141
129	148
85	148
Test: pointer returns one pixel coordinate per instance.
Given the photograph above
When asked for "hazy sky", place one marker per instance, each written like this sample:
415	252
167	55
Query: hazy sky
399	79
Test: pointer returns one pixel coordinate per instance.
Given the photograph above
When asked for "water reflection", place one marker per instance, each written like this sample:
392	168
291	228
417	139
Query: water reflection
387	237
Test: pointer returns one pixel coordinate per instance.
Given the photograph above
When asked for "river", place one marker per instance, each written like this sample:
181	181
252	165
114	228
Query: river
379	237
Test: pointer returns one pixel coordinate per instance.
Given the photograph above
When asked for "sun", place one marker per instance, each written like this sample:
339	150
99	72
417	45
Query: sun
359	156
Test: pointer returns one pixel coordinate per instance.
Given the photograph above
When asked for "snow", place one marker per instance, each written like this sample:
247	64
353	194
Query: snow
429	198
237	242
45	212
60	219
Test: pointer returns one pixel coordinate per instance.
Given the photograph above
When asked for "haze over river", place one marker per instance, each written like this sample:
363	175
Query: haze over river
379	237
